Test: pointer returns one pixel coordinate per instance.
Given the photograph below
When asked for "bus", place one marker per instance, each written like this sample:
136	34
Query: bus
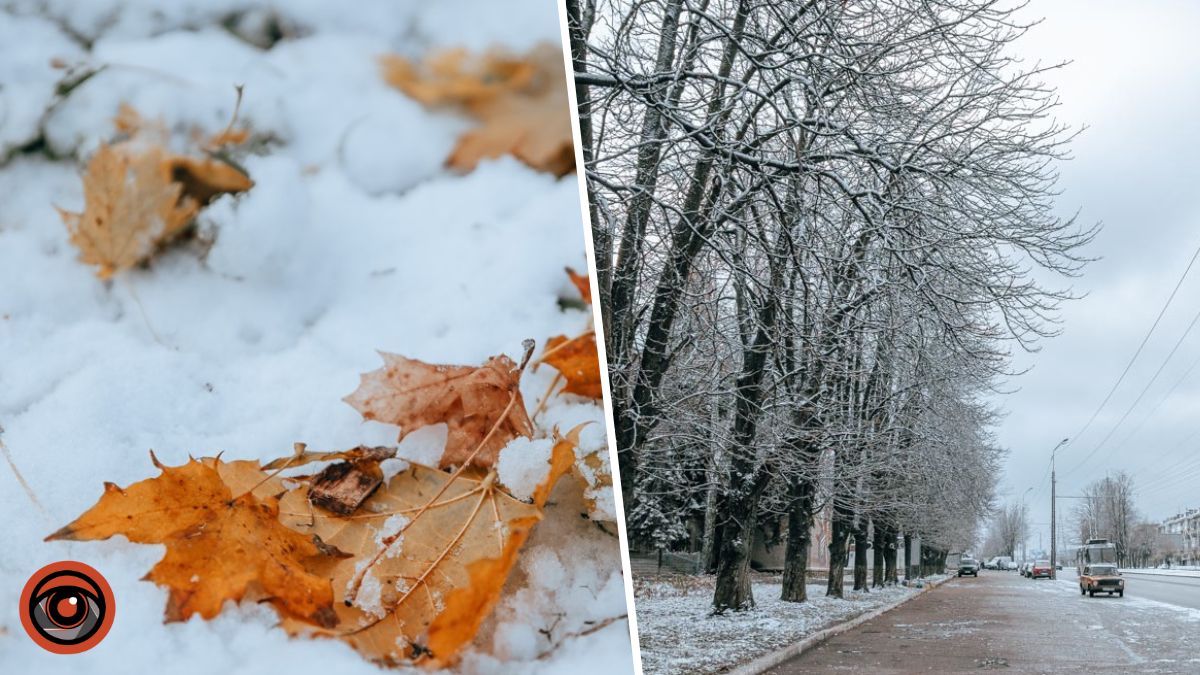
1094	552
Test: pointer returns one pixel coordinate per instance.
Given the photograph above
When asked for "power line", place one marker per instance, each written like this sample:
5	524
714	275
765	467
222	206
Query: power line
1133	359
1145	339
1141	394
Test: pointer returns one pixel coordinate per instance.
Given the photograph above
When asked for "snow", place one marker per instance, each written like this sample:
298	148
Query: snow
1158	571
678	634
353	240
523	464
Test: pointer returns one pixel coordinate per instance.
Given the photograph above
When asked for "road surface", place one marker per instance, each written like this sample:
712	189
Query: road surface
1182	591
1002	621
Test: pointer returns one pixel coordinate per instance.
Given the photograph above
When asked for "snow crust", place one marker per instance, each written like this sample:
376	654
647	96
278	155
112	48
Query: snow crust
353	240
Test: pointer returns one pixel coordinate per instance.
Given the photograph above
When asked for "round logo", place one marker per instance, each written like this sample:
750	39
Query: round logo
67	607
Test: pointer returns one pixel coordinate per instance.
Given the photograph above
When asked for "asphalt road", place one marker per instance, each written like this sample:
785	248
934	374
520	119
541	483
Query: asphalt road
1182	591
1002	621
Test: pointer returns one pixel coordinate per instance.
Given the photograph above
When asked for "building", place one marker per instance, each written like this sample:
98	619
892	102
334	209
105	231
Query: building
1183	530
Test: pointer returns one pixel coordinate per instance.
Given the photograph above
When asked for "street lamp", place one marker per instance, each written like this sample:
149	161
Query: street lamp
1053	501
1025	533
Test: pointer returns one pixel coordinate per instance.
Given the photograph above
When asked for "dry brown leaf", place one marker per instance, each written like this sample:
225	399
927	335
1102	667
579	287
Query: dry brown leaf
578	360
480	405
432	551
131	209
138	197
454	77
224	541
520	102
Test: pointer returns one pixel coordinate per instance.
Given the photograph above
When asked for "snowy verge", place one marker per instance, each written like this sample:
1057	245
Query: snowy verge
679	635
1164	573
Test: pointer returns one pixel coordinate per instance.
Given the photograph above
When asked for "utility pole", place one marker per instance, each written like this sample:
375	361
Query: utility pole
1053	501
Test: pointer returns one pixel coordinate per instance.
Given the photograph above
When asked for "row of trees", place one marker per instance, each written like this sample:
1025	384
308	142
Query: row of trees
1108	511
817	225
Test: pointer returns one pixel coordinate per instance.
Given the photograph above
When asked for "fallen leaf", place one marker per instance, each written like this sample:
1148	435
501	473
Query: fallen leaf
222	542
138	197
204	180
131	209
481	406
583	283
454	77
578	360
431	553
520	102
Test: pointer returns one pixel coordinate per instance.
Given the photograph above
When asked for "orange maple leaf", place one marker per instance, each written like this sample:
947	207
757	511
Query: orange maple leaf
578	361
220	546
520	102
481	405
583	283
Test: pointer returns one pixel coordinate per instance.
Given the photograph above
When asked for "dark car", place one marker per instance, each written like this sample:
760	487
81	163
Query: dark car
968	566
1040	569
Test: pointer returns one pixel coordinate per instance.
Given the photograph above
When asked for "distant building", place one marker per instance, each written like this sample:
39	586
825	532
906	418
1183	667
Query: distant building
1183	530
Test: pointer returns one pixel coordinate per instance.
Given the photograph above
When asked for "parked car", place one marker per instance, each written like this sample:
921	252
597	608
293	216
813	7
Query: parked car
1023	570
968	566
1101	578
1040	569
1010	565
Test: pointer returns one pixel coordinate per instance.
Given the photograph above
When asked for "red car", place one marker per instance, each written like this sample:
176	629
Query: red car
1040	568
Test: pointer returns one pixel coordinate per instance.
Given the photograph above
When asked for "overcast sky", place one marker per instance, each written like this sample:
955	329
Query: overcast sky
1135	83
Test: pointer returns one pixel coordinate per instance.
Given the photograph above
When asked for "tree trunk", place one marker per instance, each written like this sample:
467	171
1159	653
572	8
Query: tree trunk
862	546
878	542
712	540
733	562
799	538
641	414
909	568
624	276
839	535
890	574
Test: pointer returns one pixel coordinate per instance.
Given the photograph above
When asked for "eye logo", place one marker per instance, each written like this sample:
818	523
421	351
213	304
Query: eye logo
67	607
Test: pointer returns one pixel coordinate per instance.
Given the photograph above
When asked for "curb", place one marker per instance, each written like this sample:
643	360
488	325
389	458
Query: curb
772	659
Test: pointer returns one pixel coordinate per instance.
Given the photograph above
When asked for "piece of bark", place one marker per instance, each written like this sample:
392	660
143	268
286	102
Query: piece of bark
343	487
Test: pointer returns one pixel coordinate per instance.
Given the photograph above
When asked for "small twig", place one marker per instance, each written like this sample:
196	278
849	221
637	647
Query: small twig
237	107
142	310
562	345
21	479
596	627
545	397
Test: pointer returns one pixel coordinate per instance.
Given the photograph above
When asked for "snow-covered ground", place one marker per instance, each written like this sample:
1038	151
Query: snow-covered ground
678	634
1163	572
353	239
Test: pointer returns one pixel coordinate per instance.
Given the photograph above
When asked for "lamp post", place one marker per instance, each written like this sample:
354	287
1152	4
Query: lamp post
1053	501
1025	534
